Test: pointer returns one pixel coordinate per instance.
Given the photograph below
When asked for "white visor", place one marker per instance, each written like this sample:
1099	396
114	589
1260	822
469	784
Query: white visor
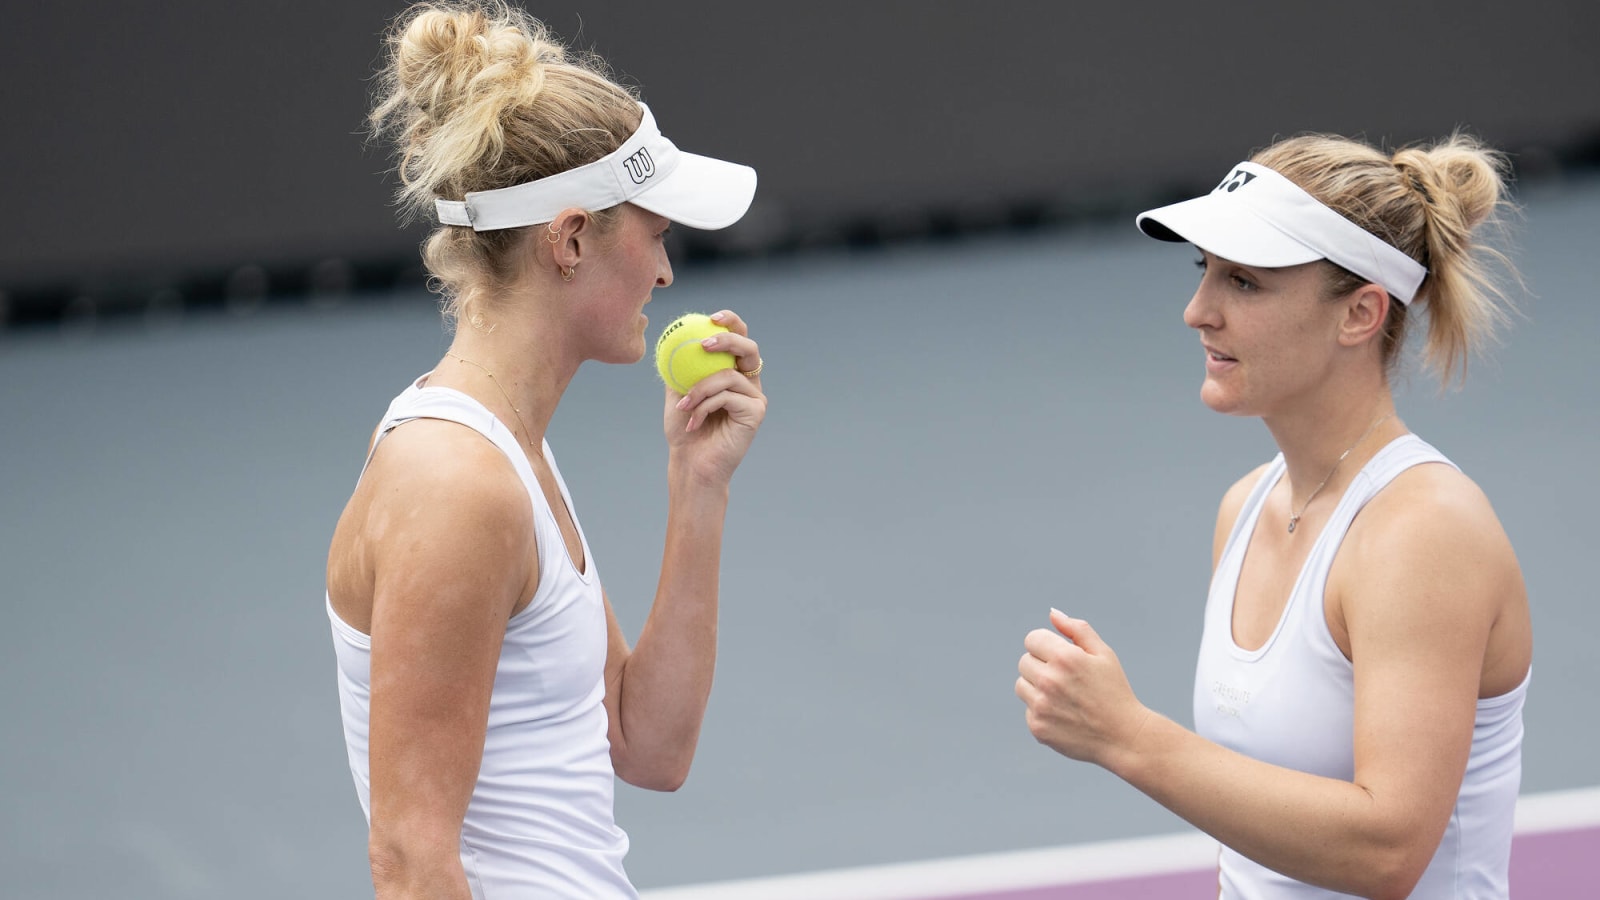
1257	217
647	171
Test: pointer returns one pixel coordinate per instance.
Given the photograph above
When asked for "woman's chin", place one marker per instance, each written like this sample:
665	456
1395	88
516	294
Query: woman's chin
1218	400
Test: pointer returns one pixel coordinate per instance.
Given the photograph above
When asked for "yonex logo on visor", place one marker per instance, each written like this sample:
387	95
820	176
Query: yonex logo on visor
1257	217
1233	182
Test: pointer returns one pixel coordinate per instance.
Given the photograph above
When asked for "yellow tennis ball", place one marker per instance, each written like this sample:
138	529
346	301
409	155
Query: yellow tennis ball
679	357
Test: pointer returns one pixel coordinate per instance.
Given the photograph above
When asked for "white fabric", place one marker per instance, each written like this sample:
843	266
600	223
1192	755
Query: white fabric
1291	703
540	821
647	170
1257	217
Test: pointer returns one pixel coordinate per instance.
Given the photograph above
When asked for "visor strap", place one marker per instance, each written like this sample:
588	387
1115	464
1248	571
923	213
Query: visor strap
1292	210
643	160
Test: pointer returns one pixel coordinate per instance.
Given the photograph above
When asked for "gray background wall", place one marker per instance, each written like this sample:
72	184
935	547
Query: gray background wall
154	148
964	431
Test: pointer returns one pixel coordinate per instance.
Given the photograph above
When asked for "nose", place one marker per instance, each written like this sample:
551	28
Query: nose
664	270
1201	312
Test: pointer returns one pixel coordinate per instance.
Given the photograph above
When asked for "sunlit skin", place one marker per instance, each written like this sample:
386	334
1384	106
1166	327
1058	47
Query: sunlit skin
1425	594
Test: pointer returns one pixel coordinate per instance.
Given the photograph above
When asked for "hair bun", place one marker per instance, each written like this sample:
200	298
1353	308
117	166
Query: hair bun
462	75
447	59
1435	202
478	95
1460	171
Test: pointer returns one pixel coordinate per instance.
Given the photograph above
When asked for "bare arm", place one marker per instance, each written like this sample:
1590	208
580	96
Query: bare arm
451	536
656	693
1418	582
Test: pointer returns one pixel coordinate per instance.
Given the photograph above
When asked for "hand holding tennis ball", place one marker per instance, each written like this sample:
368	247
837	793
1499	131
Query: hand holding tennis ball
680	358
709	425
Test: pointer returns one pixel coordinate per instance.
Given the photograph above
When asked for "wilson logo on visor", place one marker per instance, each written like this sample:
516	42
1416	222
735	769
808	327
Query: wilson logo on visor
1233	182
640	166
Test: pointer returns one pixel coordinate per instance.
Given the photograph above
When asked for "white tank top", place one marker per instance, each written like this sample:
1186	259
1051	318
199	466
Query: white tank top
540	821
1291	703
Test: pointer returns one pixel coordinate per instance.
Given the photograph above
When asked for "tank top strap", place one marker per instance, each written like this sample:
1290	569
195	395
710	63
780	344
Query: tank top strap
1245	523
1305	603
1400	454
451	405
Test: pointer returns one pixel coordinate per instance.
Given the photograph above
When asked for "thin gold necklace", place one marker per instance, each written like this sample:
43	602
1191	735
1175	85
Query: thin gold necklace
525	429
1294	517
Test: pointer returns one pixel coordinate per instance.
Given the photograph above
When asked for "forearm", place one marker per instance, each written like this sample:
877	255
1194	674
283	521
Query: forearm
666	682
1323	831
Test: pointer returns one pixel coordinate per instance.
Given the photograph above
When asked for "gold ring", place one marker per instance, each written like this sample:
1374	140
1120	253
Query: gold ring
754	372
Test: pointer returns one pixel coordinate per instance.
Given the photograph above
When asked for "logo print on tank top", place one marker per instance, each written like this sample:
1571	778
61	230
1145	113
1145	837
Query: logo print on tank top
1230	700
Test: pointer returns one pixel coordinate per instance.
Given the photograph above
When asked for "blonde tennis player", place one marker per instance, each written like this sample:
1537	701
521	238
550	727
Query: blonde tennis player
489	697
1366	647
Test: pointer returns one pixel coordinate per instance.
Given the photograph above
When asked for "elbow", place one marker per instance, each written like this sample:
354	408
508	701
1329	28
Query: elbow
662	775
1398	889
1392	872
664	779
652	765
666	784
401	865
387	862
1396	886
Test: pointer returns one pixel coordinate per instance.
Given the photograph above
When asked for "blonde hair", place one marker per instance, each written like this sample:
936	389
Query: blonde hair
478	95
1431	202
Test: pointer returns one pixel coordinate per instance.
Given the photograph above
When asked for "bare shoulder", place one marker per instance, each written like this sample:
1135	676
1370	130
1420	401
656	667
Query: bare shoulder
439	508
1430	534
443	490
449	467
1426	578
1432	507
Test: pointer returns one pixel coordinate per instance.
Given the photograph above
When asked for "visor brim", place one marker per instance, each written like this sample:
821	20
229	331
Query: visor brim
1223	227
702	192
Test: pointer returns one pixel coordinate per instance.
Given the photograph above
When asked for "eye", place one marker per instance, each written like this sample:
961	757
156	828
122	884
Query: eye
664	232
1239	278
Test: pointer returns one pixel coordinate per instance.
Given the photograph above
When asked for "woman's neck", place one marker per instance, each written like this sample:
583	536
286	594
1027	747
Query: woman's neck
516	367
1326	443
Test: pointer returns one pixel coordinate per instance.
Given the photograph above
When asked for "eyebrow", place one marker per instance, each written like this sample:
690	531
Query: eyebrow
1210	258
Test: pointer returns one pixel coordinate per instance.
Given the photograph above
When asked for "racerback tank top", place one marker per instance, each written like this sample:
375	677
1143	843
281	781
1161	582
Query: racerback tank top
540	822
1291	703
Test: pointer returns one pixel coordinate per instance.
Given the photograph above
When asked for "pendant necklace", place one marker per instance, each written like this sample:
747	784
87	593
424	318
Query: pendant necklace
525	429
1294	517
